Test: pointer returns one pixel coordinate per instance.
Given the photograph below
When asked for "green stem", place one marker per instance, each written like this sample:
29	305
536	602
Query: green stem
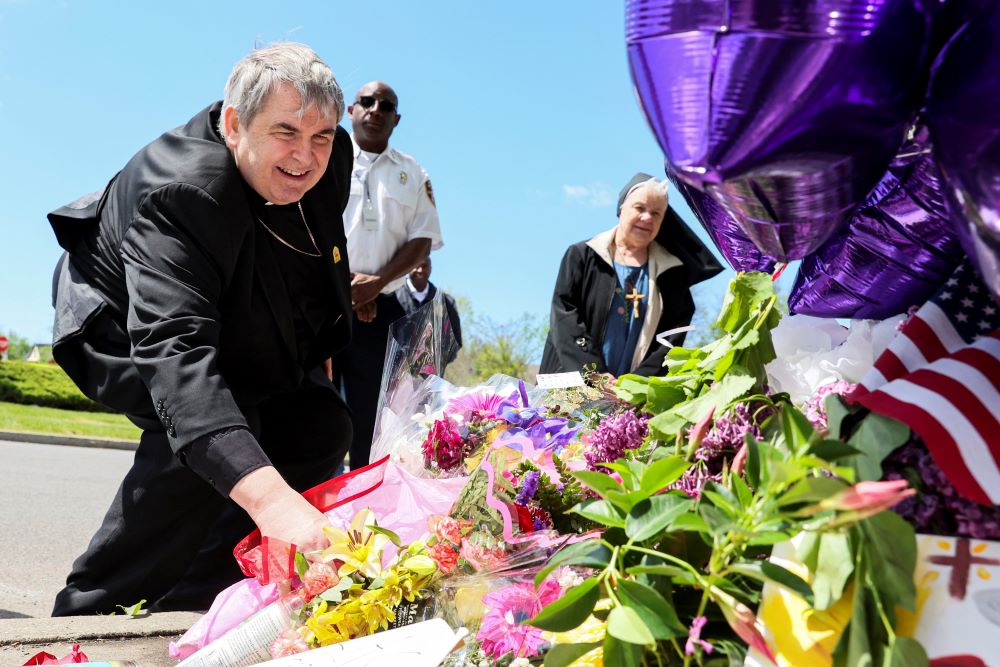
700	612
667	557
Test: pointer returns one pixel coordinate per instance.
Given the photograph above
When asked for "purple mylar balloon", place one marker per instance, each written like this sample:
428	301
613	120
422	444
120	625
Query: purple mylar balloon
892	254
786	111
729	238
963	114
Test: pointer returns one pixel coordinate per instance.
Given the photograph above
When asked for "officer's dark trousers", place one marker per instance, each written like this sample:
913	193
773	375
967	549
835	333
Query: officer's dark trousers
359	368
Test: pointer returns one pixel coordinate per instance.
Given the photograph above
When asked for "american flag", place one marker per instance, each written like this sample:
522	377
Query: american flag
941	377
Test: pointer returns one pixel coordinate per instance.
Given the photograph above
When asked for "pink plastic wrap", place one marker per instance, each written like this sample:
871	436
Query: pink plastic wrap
229	609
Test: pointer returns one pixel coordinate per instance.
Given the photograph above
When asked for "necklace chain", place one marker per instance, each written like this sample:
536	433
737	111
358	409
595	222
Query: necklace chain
289	245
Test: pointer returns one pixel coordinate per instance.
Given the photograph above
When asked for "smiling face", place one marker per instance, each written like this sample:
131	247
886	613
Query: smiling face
641	216
281	153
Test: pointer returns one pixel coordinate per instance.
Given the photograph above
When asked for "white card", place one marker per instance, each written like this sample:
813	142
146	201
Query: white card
559	380
423	644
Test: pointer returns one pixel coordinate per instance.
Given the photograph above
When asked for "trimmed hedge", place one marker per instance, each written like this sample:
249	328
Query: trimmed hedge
42	384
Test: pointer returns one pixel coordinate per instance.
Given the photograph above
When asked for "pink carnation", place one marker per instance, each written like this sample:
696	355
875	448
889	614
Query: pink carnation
288	643
446	528
444	555
319	577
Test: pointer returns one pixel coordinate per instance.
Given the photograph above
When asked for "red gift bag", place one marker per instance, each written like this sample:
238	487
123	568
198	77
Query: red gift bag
269	559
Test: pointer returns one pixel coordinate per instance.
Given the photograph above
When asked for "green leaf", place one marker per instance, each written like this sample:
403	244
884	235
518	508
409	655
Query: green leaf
653	515
718	522
571	609
632	388
662	473
624	623
658	615
875	437
602	512
753	468
836	411
666	425
834	565
393	537
796	428
810	490
832	450
589	553
600	483
621	654
768	571
628	471
743	493
336	593
905	652
690	522
665	393
561	655
135	610
301	564
768	537
722	393
666	570
722	498
890	545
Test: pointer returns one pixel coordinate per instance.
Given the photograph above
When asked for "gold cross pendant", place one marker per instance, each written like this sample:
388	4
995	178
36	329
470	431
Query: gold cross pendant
635	297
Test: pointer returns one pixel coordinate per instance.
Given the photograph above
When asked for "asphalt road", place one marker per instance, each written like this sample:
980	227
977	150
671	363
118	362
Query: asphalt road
52	499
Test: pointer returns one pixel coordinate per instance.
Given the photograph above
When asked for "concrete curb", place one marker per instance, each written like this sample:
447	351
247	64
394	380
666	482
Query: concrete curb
71	440
71	629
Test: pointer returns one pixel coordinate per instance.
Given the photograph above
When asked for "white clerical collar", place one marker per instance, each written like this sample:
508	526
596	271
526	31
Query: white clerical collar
419	296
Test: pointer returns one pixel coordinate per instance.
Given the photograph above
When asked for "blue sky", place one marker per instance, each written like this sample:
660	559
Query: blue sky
523	113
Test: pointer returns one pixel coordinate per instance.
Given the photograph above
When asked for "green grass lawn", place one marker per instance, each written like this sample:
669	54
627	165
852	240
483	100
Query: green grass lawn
35	419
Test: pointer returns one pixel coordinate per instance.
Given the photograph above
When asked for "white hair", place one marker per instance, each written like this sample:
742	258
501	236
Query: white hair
264	70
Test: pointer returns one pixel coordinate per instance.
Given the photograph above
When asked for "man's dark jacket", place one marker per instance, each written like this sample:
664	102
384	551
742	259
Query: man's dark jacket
170	252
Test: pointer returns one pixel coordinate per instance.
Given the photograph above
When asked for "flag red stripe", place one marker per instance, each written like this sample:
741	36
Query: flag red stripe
925	338
959	395
987	364
889	365
937	438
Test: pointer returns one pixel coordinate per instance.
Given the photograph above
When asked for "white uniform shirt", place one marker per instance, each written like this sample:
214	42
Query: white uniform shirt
391	203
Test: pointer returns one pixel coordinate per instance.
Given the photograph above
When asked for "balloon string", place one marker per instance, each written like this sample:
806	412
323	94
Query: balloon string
779	268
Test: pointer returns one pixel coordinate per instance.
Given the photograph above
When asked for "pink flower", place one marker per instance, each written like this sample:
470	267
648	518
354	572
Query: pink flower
483	557
694	637
446	528
319	577
503	628
699	430
445	555
487	405
743	622
443	448
288	643
868	498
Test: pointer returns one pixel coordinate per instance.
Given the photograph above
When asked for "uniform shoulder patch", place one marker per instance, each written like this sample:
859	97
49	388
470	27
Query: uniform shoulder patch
430	192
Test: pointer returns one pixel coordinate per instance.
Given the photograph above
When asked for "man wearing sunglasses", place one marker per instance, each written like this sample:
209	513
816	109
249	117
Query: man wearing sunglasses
392	225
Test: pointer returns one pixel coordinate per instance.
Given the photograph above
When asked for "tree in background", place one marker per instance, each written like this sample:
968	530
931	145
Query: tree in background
19	346
489	347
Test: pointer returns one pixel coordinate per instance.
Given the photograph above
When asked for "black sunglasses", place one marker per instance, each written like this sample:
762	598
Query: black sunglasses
385	106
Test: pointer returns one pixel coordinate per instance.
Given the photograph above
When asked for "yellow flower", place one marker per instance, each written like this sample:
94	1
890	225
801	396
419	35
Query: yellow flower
591	630
359	548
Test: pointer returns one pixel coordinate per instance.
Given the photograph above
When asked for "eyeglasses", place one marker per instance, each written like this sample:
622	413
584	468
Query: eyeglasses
385	106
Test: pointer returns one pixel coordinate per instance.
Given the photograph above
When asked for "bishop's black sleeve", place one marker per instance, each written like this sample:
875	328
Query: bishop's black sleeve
179	255
568	328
